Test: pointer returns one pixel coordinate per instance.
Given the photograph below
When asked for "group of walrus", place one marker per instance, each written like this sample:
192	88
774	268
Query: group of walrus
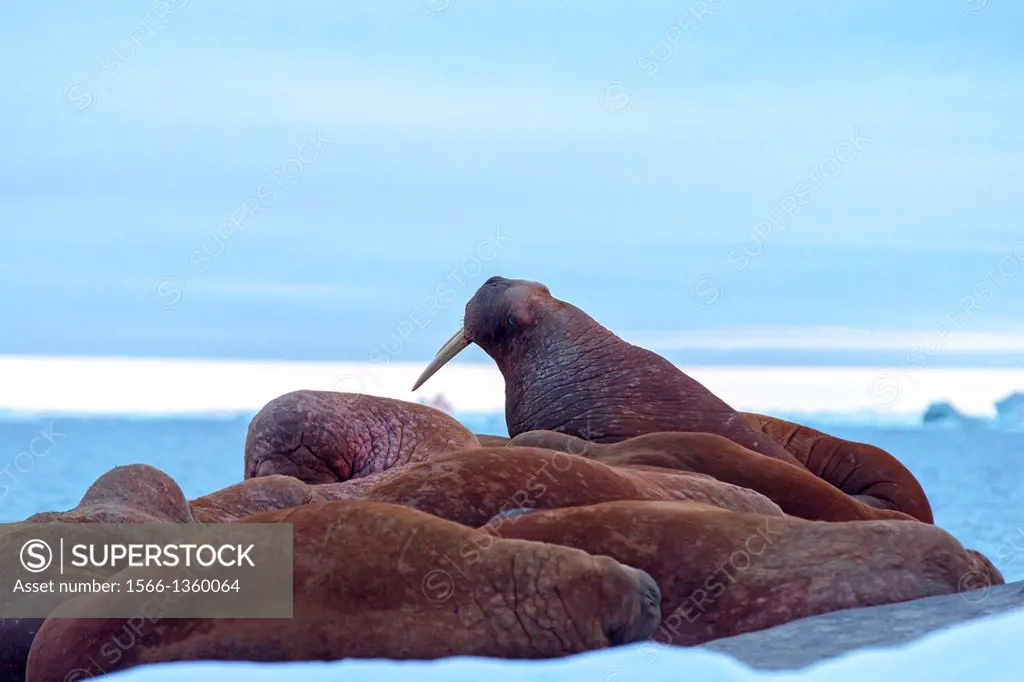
629	503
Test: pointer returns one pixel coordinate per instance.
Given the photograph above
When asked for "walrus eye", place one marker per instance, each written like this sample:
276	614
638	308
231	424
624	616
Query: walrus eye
510	321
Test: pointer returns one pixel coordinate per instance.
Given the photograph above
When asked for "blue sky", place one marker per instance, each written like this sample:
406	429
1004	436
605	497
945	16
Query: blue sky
840	175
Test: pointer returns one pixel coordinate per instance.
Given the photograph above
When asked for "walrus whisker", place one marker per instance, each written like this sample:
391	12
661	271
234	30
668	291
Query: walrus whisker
452	347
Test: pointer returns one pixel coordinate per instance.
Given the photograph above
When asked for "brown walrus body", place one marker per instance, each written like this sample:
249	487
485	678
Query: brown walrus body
565	372
253	496
723	573
471	486
137	493
381	581
325	436
795	489
488	441
868	473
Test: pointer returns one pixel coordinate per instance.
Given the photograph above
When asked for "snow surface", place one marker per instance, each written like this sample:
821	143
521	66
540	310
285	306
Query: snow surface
985	650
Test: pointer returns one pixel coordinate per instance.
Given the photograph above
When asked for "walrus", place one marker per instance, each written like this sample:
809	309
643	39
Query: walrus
382	581
136	493
796	490
488	441
723	573
868	473
253	496
326	436
471	486
565	372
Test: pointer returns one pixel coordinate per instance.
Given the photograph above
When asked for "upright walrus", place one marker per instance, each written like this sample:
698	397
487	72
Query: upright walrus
565	372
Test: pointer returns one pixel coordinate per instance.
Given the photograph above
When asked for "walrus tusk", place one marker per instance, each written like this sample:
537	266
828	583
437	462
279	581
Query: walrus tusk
449	350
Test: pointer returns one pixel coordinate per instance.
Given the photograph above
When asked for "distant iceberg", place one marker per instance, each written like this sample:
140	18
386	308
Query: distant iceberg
944	414
438	402
1010	411
1009	415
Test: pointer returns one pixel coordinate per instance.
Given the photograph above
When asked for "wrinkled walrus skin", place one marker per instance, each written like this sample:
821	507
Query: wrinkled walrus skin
253	496
471	486
723	573
326	437
381	581
868	473
137	493
795	489
565	372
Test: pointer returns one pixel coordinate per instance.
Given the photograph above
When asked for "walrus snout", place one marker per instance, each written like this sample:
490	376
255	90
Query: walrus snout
651	599
985	571
499	310
647	613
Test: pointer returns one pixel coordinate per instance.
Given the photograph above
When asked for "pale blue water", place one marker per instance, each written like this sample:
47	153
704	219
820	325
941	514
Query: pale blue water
975	479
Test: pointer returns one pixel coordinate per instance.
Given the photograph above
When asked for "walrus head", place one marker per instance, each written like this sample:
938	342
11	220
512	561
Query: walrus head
503	317
542	345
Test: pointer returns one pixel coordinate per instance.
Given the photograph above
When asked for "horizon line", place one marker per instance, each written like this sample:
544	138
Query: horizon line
182	385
